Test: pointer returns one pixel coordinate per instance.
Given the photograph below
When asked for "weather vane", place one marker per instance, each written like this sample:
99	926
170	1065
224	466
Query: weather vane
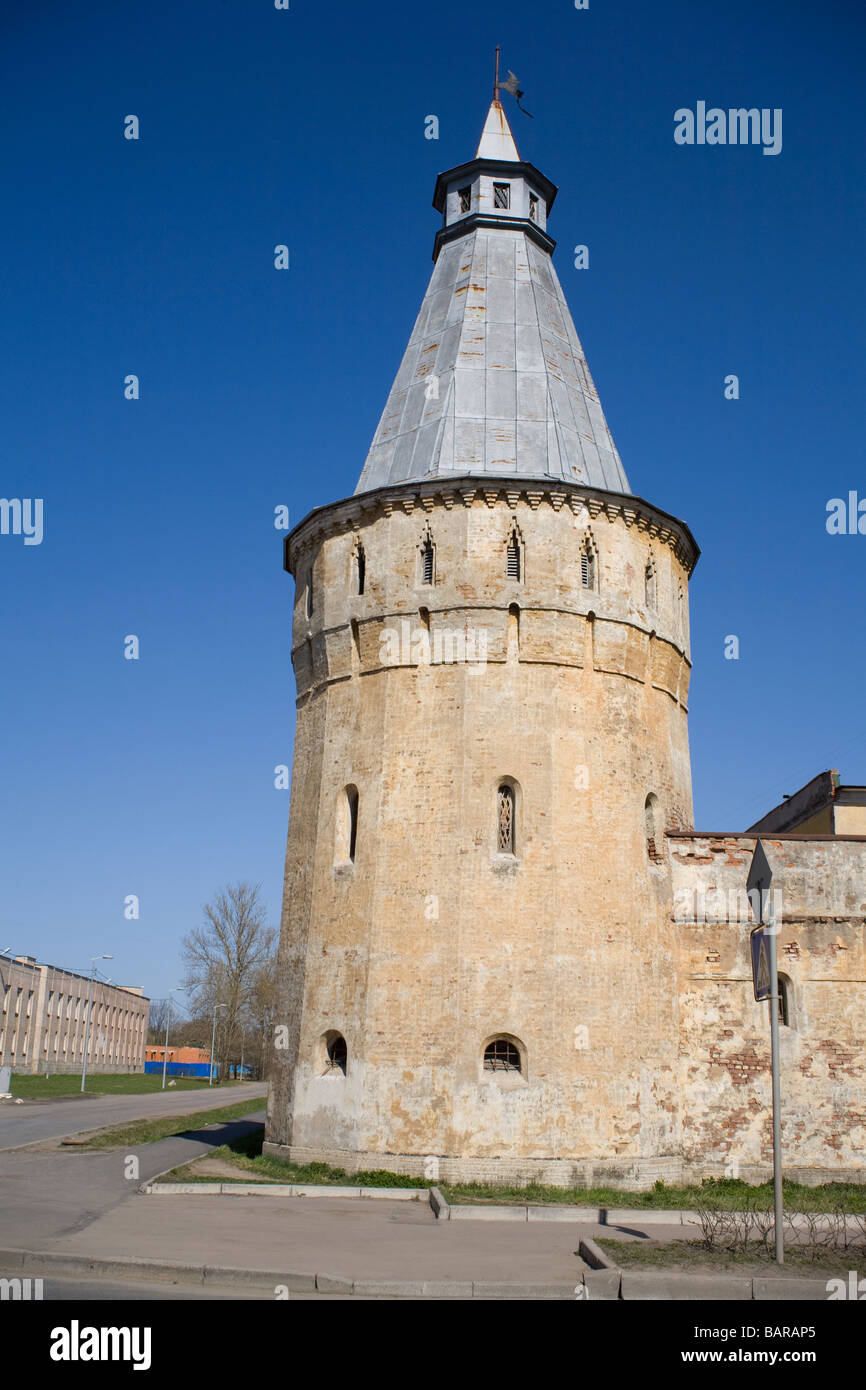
511	85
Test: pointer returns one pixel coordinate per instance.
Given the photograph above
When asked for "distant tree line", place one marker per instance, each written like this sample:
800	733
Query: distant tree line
230	961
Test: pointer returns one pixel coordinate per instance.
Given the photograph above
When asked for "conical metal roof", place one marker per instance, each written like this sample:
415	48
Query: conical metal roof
494	381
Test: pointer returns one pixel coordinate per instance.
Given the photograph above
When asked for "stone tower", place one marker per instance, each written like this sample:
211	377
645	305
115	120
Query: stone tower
490	642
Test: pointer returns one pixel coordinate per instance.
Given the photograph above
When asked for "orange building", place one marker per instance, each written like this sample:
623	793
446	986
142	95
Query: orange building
184	1056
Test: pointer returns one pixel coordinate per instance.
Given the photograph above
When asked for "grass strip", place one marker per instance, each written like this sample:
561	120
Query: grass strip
732	1194
675	1255
165	1126
30	1087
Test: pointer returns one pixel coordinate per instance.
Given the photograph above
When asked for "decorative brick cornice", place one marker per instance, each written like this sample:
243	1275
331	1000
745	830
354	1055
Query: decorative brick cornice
446	492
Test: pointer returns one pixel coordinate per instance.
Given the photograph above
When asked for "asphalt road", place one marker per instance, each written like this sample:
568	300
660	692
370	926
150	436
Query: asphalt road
35	1121
47	1196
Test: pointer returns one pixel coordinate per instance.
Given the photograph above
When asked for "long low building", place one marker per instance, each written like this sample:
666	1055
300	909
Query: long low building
43	1020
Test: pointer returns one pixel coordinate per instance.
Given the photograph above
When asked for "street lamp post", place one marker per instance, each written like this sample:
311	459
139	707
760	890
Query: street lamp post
93	960
213	1040
167	1020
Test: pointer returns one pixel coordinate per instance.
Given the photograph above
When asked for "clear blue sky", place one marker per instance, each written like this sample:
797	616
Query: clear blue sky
261	388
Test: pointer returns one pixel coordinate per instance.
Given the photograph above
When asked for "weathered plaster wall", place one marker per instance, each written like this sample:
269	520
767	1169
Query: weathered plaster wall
431	943
725	1045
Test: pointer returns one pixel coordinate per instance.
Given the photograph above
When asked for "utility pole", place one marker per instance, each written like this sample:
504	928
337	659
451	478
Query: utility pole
167	1020
213	1041
93	960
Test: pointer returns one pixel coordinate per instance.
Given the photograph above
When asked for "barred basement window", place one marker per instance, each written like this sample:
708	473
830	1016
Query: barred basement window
427	562
361	561
512	557
501	1055
533	207
465	196
505	819
502	195
337	1053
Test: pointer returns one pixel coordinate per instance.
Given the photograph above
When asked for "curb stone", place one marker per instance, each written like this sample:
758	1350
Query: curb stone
602	1285
605	1284
280	1189
594	1256
691	1287
439	1206
813	1290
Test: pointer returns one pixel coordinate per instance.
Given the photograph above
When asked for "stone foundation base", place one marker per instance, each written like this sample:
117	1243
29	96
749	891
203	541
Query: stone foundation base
635	1174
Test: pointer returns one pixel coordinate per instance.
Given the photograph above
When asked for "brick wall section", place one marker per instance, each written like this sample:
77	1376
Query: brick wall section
724	1038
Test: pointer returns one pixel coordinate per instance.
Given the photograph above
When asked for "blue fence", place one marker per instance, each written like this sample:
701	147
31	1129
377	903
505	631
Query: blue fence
180	1068
199	1069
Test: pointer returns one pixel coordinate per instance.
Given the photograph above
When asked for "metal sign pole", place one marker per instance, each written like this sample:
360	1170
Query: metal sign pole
777	1095
765	980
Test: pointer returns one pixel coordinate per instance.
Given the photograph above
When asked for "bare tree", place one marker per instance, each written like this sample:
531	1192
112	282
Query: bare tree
224	958
157	1020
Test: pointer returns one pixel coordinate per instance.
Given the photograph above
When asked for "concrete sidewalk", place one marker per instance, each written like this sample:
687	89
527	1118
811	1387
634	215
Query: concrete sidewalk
79	1214
386	1241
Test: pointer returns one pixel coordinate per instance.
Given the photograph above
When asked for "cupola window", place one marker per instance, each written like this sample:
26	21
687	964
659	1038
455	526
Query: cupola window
533	207
465	196
502	195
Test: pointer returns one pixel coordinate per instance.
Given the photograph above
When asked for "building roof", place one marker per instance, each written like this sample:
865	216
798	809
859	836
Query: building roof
494	381
496	141
823	794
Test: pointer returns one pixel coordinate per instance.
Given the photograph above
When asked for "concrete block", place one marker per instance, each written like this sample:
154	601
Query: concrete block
184	1189
633	1216
786	1290
662	1285
389	1288
313	1190
467	1213
334	1283
396	1194
602	1284
552	1213
259	1278
594	1256
258	1189
490	1289
439	1206
123	1267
